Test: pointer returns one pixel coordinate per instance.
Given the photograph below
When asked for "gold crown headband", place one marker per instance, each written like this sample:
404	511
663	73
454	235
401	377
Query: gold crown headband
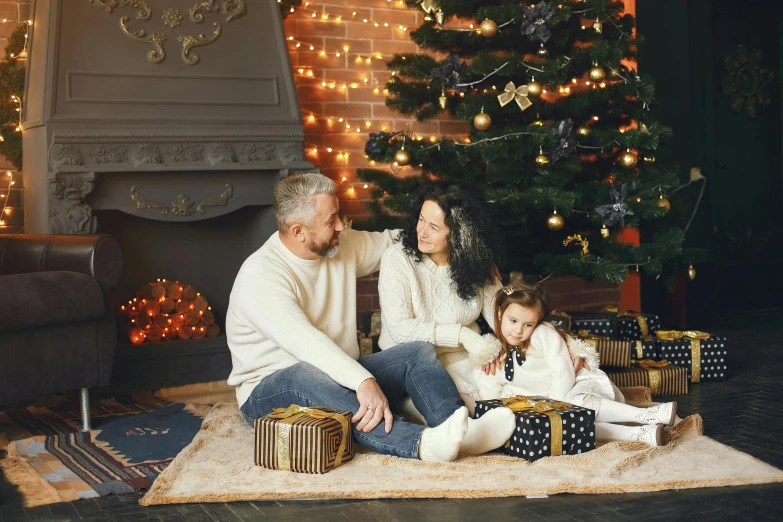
508	290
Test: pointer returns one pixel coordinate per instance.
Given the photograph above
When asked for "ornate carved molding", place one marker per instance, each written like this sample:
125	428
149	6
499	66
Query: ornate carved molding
171	17
218	153
107	154
188	42
192	153
65	154
232	9
68	211
158	54
116	155
145	154
143	204
222	201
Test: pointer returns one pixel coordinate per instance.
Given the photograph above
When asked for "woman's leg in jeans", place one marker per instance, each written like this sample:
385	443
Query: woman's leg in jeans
305	385
414	369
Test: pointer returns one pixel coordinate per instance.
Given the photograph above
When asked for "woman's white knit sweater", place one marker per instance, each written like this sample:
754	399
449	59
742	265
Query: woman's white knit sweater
419	303
284	309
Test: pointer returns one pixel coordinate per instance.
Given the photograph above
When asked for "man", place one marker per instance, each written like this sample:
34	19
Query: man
291	327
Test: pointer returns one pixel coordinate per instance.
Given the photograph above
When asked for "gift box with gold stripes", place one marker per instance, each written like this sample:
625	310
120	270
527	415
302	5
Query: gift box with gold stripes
303	439
612	352
632	326
545	428
703	356
662	378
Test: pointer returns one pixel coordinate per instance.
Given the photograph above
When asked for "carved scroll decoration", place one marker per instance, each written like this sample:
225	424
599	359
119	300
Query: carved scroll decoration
222	201
68	211
171	17
144	10
182	206
232	9
143	204
188	42
65	154
158	54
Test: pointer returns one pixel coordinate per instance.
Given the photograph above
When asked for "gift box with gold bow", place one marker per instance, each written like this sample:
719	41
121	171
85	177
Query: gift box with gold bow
545	428
632	325
704	356
612	352
661	377
303	439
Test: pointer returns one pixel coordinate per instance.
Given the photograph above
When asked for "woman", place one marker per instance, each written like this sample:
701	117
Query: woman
436	281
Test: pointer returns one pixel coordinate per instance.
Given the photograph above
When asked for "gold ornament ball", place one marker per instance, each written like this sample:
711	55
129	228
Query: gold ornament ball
537	122
542	160
555	221
534	89
402	157
604	232
482	121
597	73
583	130
543	52
664	204
648	158
691	273
628	159
488	28
598	27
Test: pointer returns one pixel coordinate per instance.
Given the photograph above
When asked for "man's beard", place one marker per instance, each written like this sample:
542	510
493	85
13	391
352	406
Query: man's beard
325	249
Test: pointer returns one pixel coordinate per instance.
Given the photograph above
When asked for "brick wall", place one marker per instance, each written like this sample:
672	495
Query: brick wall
12	13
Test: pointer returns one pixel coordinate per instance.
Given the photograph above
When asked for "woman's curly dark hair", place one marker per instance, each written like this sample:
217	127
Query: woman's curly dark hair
474	241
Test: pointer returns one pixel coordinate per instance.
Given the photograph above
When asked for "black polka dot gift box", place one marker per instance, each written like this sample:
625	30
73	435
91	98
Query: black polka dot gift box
632	326
703	356
545	428
645	349
596	323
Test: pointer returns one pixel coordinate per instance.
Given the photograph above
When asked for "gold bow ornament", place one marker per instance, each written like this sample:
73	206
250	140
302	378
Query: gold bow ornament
521	403
287	416
640	318
518	94
654	372
695	337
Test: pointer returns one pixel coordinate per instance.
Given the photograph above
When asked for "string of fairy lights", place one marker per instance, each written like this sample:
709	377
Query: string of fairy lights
16	123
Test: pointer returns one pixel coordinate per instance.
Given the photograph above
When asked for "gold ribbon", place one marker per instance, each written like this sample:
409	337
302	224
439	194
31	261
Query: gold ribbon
287	416
522	403
653	372
590	339
639	349
640	318
695	337
519	94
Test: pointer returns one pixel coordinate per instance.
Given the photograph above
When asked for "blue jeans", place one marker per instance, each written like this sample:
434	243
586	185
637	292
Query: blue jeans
407	369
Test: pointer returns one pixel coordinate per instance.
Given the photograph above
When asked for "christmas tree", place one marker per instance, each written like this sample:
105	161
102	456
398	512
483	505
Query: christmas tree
562	143
12	73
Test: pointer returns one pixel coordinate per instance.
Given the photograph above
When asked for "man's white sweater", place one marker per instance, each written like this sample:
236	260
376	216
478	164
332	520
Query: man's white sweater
284	309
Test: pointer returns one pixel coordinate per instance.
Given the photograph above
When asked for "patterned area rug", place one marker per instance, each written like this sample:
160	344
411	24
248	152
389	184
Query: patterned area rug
133	440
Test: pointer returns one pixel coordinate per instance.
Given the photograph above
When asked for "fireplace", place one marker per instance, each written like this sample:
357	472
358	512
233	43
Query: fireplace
168	126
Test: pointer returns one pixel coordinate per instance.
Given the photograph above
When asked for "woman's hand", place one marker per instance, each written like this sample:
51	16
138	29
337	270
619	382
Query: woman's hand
494	366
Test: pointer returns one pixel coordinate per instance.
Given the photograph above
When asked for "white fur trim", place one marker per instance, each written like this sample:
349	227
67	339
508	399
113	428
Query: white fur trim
489	350
579	348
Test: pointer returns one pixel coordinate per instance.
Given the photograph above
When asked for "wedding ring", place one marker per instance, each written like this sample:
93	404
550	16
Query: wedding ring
370	409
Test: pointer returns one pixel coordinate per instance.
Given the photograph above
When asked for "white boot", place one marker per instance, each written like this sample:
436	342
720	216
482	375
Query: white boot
651	434
612	411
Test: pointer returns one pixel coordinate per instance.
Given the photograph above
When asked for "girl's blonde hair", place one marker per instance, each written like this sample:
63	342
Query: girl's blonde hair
526	295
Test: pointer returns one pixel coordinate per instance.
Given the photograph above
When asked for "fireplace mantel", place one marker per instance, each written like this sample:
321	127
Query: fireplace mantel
132	124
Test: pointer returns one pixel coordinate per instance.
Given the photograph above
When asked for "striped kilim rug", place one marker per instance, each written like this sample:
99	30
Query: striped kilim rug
133	439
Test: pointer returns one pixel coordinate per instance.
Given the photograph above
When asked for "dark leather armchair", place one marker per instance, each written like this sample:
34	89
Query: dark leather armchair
57	332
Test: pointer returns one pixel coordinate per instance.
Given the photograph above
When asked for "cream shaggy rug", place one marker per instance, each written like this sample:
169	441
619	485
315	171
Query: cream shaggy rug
218	467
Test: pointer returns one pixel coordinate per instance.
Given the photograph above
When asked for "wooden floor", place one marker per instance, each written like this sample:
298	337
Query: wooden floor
743	412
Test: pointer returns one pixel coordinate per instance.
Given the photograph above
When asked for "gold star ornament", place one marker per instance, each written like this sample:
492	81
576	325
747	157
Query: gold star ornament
518	94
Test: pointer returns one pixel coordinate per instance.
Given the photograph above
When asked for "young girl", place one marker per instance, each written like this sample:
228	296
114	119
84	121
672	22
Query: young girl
538	362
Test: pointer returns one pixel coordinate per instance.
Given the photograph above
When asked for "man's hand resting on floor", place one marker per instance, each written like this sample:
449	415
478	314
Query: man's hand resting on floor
373	407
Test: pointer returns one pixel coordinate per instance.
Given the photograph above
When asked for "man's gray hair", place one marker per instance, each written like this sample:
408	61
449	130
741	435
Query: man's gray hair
295	198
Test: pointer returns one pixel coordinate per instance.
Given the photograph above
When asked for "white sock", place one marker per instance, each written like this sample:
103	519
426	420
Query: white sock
613	411
488	432
605	430
442	444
